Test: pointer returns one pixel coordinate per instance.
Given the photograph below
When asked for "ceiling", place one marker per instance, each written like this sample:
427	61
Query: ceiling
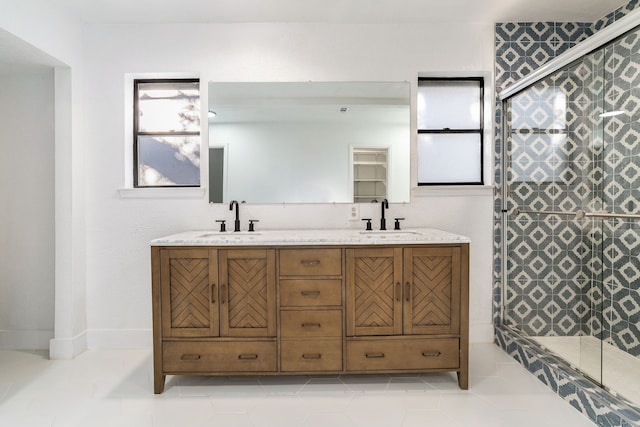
18	56
338	11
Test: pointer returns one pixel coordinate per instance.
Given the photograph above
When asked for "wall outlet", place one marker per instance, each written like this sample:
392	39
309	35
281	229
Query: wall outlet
354	213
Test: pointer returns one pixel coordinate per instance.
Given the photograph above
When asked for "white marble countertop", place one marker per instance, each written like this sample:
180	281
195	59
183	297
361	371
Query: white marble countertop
309	237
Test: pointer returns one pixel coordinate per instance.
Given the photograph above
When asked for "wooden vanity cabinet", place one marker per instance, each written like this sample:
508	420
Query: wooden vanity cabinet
310	310
407	309
214	310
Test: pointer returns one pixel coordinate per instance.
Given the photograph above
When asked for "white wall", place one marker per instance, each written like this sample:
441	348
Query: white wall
27	242
119	229
58	35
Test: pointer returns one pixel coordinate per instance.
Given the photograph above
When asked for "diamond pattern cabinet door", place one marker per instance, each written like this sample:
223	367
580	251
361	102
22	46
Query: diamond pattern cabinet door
374	291
432	290
247	293
189	293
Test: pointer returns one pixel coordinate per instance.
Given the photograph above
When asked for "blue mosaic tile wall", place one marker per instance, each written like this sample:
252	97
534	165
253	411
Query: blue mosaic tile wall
553	156
520	49
576	276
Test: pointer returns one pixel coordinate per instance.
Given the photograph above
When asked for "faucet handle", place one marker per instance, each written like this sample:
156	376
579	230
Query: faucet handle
397	225
368	223
251	227
223	227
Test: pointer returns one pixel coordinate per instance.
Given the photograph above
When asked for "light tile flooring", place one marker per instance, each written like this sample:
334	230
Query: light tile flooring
114	388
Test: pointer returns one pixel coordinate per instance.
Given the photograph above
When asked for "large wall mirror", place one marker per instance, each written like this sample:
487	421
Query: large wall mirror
309	142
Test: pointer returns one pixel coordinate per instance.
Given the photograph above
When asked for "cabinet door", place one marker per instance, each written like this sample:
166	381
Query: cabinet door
432	290
188	280
247	293
374	291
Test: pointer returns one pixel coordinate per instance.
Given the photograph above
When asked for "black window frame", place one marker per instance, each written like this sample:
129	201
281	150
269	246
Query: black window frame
137	133
448	131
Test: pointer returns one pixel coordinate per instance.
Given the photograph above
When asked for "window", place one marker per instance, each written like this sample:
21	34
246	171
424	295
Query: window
166	133
450	131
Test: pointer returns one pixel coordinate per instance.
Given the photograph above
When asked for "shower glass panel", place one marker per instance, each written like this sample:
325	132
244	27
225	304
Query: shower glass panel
572	241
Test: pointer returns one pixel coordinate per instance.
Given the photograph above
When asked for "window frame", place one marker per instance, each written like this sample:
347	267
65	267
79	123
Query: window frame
447	131
137	133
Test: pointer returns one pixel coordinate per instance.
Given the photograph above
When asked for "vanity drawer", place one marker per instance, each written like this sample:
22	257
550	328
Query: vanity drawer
311	355
228	356
310	262
310	293
311	324
402	354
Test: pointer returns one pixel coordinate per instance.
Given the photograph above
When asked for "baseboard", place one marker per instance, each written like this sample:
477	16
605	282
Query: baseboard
120	338
67	348
481	333
25	340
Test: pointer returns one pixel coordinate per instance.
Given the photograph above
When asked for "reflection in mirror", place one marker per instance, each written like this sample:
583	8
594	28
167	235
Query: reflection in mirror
309	142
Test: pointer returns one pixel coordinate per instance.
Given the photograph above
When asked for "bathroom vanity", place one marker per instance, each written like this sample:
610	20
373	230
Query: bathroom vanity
310	302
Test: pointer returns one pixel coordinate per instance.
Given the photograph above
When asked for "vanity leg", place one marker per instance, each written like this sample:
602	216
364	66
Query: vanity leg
158	382
463	379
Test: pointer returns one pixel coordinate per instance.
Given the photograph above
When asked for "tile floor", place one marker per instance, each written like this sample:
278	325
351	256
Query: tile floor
114	388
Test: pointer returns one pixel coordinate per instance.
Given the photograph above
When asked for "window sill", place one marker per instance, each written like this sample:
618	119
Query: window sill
162	193
453	191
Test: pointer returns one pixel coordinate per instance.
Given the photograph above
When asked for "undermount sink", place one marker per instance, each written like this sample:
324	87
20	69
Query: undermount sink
228	234
389	232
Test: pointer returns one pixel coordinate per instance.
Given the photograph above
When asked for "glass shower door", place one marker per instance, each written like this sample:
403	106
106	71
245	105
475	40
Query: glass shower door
553	170
572	221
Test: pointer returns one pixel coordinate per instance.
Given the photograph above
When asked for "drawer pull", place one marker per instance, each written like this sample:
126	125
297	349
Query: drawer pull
398	292
310	293
252	356
311	325
213	293
407	291
312	356
374	355
425	354
223	294
310	262
190	357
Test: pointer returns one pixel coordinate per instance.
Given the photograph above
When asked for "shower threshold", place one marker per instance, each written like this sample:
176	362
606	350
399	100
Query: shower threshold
619	371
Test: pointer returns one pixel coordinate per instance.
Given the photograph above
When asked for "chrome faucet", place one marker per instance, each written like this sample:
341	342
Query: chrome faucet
236	223
383	222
